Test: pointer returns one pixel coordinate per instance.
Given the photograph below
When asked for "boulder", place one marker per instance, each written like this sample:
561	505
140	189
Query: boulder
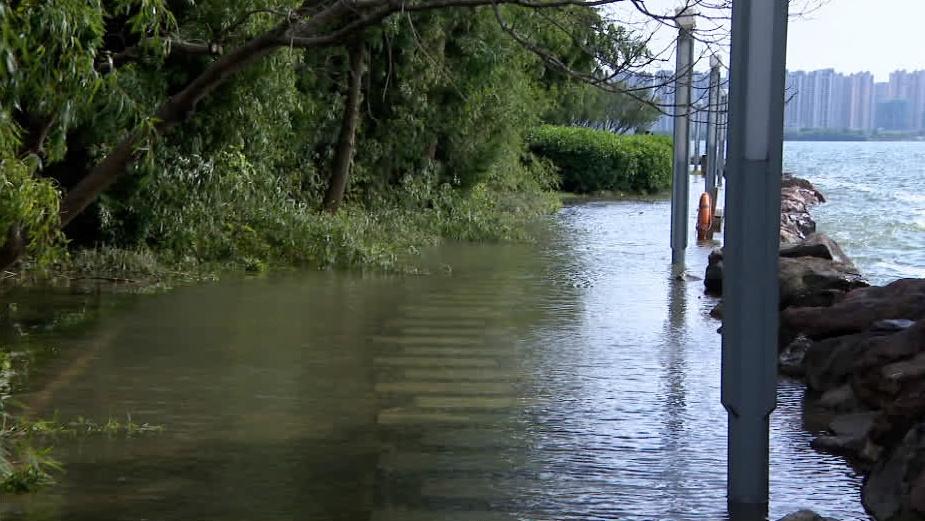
813	281
849	434
796	226
817	245
795	222
895	488
791	181
890	375
840	399
790	361
804	281
797	196
805	515
713	279
859	310
830	363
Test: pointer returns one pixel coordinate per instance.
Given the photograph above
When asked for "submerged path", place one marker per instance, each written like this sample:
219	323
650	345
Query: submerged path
573	379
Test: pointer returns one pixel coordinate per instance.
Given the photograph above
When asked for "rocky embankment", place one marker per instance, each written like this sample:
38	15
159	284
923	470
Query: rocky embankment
861	351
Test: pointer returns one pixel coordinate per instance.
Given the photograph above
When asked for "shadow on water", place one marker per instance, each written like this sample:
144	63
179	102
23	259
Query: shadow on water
572	379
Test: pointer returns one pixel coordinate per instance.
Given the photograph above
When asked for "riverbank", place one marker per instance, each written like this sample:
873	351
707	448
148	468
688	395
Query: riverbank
861	351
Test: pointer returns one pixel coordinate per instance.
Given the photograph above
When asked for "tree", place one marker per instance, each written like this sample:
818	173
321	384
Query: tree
108	59
604	110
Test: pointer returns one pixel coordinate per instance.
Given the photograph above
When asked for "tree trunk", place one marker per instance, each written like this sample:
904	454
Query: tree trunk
13	247
346	142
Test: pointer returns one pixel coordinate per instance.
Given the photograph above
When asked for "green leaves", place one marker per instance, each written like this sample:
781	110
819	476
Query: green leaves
30	204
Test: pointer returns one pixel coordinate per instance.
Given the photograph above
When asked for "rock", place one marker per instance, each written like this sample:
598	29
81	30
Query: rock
890	365
795	222
855	425
858	310
796	226
805	515
839	398
891	326
797	197
790	360
849	434
838	445
817	245
813	281
830	363
804	281
717	311
791	181
895	488
713	278
890	375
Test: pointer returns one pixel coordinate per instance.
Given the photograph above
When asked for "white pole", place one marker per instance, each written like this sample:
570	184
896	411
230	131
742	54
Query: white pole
682	105
750	261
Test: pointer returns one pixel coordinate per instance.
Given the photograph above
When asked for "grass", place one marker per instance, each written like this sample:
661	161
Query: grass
25	468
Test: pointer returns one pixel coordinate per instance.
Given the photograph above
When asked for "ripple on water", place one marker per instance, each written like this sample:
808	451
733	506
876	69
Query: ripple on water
505	391
876	201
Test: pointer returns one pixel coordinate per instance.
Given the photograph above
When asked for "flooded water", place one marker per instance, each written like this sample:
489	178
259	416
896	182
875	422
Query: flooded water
876	209
572	379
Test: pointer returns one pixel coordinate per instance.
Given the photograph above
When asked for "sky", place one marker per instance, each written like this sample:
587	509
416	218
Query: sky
878	36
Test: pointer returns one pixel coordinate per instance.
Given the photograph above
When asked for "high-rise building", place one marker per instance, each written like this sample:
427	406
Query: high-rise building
910	87
827	100
861	101
894	115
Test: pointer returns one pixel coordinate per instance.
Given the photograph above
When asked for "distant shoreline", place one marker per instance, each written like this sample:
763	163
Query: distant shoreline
851	137
824	137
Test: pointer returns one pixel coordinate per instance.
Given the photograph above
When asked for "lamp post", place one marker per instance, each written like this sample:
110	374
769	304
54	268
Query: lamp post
723	126
682	105
698	131
712	171
750	260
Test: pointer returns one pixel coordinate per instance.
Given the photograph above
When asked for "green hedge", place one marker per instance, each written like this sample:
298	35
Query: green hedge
595	160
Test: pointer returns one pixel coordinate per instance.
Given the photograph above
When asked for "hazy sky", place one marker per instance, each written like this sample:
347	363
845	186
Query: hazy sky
879	36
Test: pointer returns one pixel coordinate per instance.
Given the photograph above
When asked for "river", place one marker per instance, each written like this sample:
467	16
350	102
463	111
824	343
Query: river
570	379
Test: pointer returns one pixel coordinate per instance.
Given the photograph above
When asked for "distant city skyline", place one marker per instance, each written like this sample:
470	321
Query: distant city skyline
846	35
825	99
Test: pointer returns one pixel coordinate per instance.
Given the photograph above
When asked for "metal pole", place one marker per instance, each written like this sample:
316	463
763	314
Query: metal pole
697	137
682	105
722	128
709	176
750	261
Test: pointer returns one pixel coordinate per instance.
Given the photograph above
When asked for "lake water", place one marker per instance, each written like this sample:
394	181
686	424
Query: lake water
571	379
876	208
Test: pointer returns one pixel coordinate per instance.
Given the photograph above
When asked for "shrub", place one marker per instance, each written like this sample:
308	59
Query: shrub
593	160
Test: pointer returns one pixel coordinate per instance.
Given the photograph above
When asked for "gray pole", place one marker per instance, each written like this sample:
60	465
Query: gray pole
709	176
697	136
682	105
722	127
750	261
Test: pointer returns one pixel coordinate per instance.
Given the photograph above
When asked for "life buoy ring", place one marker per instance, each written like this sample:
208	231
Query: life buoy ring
705	217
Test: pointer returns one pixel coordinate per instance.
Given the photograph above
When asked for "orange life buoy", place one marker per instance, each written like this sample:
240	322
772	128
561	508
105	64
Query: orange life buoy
705	217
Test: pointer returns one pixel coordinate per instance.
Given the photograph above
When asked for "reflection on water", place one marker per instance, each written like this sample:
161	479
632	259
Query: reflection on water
575	379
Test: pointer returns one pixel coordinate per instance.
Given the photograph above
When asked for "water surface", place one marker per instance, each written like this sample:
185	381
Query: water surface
572	379
876	209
